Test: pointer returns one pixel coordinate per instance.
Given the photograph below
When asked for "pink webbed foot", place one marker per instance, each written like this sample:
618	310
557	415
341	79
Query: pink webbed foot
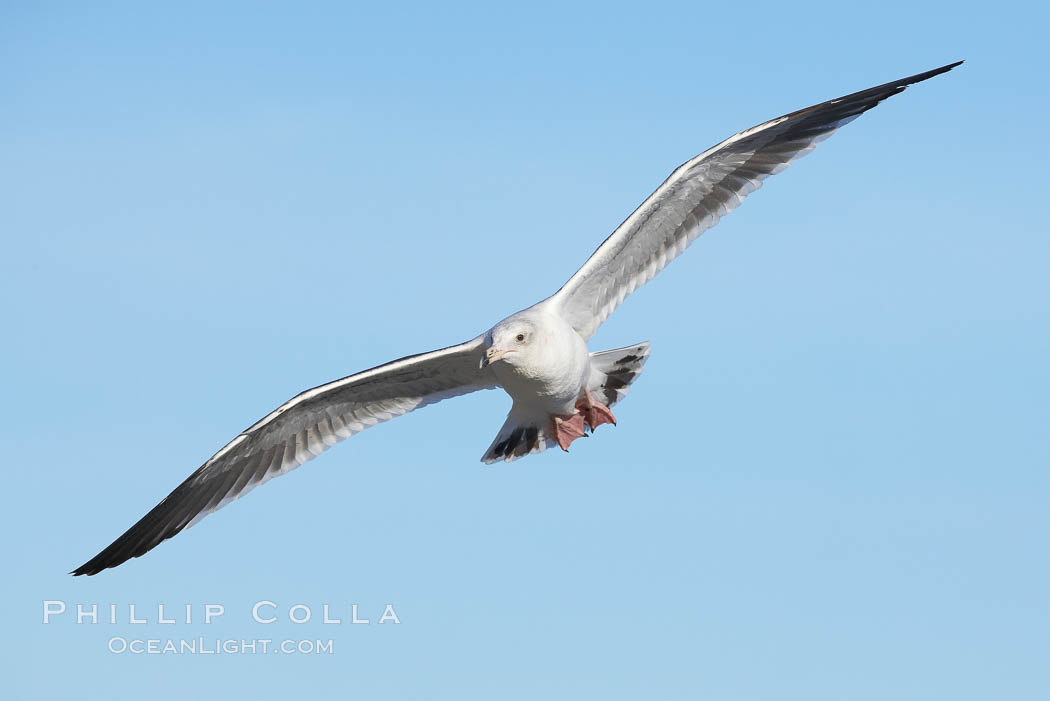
594	412
567	429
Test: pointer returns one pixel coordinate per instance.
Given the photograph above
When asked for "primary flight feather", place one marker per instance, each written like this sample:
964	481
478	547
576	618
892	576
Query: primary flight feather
539	356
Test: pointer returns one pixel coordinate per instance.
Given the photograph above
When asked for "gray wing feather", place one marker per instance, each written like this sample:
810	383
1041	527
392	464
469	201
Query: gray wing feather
298	431
696	195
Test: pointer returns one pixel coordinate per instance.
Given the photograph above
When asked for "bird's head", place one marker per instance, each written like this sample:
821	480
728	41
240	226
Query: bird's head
511	341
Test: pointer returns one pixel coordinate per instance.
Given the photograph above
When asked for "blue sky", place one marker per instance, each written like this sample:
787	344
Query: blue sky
830	482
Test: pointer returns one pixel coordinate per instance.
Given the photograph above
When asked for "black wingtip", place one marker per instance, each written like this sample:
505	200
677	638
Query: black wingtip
110	557
937	71
89	568
900	84
919	77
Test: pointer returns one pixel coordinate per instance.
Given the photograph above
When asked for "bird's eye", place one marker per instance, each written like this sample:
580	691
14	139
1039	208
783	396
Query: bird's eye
520	337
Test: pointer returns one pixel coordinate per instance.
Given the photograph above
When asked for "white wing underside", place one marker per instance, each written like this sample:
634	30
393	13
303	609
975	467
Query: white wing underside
298	431
695	196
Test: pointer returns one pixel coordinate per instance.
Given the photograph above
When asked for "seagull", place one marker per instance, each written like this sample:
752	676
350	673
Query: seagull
539	356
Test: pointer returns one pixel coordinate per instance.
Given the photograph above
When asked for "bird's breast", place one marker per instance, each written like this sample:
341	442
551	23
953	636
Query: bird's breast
552	379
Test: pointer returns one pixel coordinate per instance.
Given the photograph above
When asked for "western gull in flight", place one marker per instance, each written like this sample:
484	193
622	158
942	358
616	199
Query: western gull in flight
539	356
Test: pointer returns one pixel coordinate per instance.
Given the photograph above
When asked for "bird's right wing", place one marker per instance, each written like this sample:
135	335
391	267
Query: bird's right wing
696	195
300	430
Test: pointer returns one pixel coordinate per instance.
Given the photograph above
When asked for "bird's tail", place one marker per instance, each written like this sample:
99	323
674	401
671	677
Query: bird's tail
524	433
613	371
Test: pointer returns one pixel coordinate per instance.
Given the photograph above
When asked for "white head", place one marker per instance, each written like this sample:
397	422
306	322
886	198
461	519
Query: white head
514	341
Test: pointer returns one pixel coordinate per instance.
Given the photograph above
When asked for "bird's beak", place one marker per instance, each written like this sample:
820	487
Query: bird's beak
492	355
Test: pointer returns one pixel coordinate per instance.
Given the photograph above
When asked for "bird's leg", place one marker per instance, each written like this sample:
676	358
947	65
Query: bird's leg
588	413
594	412
567	428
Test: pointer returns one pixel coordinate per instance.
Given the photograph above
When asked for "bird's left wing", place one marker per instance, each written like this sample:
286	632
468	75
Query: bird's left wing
696	195
300	430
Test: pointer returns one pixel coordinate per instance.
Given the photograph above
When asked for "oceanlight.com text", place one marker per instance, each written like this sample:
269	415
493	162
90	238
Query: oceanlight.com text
218	646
